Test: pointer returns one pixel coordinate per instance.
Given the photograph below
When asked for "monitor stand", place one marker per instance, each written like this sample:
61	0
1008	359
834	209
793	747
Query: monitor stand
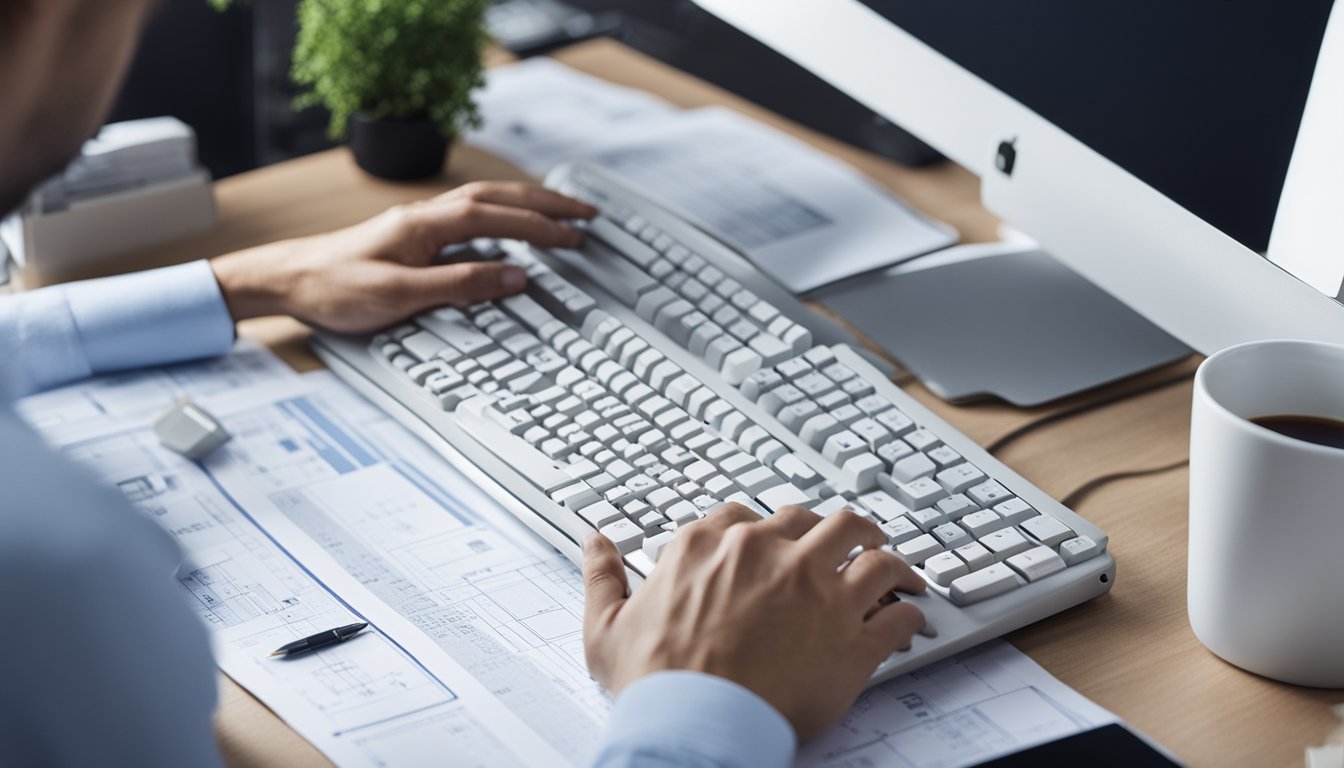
975	322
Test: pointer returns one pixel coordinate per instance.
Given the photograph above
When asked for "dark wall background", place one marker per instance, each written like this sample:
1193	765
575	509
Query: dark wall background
225	75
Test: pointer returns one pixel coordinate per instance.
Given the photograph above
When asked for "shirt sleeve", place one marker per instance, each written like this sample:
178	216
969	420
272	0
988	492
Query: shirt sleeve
681	718
66	332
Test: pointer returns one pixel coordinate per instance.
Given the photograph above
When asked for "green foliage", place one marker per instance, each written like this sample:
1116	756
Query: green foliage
390	59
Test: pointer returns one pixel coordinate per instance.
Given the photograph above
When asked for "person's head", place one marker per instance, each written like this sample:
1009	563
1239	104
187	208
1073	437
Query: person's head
61	64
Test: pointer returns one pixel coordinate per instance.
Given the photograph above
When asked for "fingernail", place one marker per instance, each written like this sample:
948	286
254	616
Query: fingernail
589	542
512	280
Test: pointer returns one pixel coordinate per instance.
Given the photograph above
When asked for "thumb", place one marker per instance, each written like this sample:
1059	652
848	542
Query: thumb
464	284
604	581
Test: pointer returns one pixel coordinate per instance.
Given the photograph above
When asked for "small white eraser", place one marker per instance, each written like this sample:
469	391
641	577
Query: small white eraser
187	429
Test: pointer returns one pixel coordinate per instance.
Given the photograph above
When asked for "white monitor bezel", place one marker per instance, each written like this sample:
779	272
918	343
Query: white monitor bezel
1182	273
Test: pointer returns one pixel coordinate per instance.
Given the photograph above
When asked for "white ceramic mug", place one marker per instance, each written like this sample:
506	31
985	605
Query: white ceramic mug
1266	580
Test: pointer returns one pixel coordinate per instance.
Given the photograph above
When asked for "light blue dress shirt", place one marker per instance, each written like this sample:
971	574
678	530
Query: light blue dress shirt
102	662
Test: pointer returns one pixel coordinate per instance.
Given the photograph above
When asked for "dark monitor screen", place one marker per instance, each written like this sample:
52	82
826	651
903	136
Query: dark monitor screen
1200	99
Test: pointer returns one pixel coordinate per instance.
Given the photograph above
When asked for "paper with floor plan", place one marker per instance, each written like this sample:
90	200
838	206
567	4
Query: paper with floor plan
323	511
802	216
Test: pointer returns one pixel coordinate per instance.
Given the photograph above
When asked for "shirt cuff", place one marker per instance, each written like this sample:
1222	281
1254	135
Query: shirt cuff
696	718
148	318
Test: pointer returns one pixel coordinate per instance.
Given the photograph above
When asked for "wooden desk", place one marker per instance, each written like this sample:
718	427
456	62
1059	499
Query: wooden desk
1131	651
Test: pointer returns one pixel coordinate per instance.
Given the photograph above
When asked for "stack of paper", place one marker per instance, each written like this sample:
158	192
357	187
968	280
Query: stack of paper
801	216
122	157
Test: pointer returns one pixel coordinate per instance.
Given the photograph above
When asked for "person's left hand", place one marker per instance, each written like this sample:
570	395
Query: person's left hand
376	273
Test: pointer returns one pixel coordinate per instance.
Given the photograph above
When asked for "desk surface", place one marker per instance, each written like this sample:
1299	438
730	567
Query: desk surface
1131	650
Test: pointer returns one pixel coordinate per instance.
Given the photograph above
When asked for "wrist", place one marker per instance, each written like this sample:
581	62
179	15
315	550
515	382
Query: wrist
256	282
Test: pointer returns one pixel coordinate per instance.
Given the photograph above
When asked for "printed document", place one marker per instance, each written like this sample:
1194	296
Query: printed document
323	511
801	216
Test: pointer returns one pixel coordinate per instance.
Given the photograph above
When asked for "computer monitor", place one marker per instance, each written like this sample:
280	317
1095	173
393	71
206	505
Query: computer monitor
1156	148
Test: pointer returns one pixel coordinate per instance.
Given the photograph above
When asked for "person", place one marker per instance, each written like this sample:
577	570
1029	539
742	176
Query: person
751	634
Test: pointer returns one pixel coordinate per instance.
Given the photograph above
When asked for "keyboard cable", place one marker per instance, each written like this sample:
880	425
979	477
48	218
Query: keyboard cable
1075	496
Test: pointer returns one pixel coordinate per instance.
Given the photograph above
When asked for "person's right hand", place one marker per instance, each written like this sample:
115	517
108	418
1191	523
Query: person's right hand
763	603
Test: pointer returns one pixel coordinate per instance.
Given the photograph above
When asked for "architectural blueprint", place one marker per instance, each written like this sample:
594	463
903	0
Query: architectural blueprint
323	511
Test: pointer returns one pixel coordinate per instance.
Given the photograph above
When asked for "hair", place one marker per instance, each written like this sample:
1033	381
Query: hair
11	13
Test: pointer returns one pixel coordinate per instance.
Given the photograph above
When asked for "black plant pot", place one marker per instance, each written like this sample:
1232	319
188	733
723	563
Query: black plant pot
398	149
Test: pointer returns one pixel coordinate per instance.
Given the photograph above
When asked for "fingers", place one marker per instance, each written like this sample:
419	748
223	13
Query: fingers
791	522
728	514
460	284
833	538
457	222
604	582
875	573
524	195
891	627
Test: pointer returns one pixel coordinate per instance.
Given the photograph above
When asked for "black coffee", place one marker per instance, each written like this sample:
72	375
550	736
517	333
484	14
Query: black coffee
1312	429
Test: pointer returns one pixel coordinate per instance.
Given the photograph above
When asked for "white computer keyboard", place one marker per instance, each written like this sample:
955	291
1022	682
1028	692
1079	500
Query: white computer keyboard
652	374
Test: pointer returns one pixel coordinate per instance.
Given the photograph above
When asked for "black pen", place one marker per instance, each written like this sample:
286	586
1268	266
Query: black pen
313	642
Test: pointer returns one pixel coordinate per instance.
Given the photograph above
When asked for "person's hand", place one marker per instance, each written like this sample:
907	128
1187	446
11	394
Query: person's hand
376	273
764	603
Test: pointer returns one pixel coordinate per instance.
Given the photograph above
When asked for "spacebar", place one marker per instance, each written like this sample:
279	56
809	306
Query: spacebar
510	449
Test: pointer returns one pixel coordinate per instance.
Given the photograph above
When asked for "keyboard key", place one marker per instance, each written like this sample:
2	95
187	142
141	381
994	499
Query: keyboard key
424	345
944	456
927	518
944	567
818	428
874	434
988	494
982	522
626	535
1078	549
915	551
883	505
860	473
991	581
894	451
756	480
842	446
796	471
959	478
832	505
916	494
739	364
923	440
975	554
913	467
1005	542
956	506
951	535
793	367
781	495
794	416
760	382
1015	511
1036	563
649	303
900	530
600	514
1047	530
895	421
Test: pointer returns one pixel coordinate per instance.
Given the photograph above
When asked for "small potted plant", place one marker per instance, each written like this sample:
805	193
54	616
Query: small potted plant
396	75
